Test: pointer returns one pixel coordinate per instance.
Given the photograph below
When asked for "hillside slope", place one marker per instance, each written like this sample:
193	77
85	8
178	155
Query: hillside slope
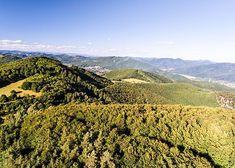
120	135
169	93
7	58
121	74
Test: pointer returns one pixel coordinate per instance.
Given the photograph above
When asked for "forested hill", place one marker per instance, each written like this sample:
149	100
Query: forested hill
56	82
125	74
17	70
4	58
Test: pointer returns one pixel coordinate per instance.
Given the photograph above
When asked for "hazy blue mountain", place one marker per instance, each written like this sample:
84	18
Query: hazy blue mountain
218	71
173	64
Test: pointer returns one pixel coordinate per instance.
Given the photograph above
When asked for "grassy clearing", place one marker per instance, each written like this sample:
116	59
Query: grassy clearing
16	86
133	80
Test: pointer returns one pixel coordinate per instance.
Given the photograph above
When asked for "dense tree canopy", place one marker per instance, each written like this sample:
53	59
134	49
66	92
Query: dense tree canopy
119	135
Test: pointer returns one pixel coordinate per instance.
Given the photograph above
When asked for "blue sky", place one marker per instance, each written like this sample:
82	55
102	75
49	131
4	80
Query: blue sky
188	29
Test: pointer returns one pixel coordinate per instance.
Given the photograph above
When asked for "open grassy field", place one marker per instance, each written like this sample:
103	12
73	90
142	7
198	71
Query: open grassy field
16	86
133	80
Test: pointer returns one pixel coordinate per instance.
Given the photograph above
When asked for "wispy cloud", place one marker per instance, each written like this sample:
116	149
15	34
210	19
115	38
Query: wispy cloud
8	42
20	45
86	48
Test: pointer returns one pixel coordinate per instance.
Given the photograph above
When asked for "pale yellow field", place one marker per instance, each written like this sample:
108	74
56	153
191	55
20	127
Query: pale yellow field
16	86
133	80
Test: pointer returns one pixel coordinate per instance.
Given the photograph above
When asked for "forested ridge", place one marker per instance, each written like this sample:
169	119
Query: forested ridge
84	120
14	71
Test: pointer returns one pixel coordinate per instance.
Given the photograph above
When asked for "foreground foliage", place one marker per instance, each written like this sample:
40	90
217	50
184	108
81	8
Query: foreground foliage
78	135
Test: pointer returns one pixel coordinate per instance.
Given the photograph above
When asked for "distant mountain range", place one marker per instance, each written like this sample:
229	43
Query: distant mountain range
173	64
215	71
202	69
